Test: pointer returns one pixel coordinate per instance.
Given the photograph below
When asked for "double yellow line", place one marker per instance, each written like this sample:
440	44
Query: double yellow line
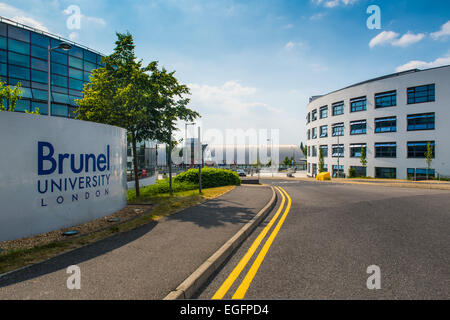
245	284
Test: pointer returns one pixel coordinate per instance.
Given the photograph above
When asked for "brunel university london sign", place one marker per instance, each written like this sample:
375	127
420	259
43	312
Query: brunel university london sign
57	173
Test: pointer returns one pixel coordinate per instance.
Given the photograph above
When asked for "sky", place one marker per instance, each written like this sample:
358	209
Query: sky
254	64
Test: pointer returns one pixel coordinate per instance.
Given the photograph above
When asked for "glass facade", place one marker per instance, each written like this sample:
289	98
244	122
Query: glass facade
386	125
386	150
358	104
421	94
338	108
419	149
425	121
24	59
358	127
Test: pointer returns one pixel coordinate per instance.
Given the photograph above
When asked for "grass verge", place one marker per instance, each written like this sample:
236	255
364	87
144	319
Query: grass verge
164	205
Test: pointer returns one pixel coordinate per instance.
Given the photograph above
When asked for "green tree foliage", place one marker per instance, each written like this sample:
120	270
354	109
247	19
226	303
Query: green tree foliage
10	96
145	100
363	158
286	161
321	161
429	155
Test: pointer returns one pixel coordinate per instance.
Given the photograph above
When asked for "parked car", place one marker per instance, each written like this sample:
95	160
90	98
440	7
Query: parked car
241	173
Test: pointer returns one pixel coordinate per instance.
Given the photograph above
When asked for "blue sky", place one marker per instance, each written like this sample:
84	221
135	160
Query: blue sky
254	64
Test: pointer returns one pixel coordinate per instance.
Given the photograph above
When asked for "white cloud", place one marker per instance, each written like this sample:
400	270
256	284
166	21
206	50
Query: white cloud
20	16
417	64
392	38
317	16
229	98
408	39
445	31
384	37
334	3
289	45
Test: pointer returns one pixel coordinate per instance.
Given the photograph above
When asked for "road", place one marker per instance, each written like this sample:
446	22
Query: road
332	234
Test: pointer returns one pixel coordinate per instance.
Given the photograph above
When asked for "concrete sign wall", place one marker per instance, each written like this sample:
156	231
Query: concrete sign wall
57	172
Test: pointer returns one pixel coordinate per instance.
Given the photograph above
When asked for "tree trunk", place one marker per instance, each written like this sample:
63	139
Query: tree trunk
135	164
169	160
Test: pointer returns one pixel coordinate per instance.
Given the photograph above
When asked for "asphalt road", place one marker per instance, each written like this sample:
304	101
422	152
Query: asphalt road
334	232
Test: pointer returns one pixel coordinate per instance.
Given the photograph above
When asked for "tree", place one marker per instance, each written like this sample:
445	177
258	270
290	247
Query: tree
286	161
429	155
321	161
363	158
269	164
144	100
10	95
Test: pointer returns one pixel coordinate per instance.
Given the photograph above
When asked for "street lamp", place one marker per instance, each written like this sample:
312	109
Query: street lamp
63	46
185	142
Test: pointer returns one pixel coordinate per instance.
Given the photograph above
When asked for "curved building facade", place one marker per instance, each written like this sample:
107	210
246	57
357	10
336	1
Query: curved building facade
392	118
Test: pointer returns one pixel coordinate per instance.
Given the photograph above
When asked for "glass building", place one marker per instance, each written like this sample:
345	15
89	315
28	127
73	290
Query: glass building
24	60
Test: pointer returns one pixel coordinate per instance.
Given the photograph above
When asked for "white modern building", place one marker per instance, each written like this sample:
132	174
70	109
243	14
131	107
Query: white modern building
392	118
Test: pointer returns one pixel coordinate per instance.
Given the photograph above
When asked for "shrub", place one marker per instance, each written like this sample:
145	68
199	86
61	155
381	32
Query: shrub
211	177
161	187
352	173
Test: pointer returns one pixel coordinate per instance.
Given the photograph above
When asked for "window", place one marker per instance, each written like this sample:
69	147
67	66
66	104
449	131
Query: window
337	129
324	131
38	64
360	171
88	66
314	151
75	62
40	40
75	84
39	52
358	104
338	170
425	121
386	150
60	98
419	149
86	76
76	52
40	94
356	149
59	57
23	105
338	150
324	149
18	34
314	169
325	167
308	133
358	127
59	81
90	56
314	115
386	99
60	110
314	133
308	118
19	72
420	173
60	69
75	73
421	94
386	125
3	44
385	173
3	29
42	107
309	151
19	59
324	112
3	69
18	46
3	56
338	108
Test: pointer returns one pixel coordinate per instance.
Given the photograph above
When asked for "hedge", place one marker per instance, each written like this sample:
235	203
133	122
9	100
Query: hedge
211	177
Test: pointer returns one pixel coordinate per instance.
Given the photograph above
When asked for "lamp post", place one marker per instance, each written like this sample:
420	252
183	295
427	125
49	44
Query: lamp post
185	143
66	47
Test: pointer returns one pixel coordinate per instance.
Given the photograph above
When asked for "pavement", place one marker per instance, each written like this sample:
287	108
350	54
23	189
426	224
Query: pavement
146	263
334	232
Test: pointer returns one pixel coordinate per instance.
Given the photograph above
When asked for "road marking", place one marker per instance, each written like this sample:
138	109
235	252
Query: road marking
244	261
242	290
